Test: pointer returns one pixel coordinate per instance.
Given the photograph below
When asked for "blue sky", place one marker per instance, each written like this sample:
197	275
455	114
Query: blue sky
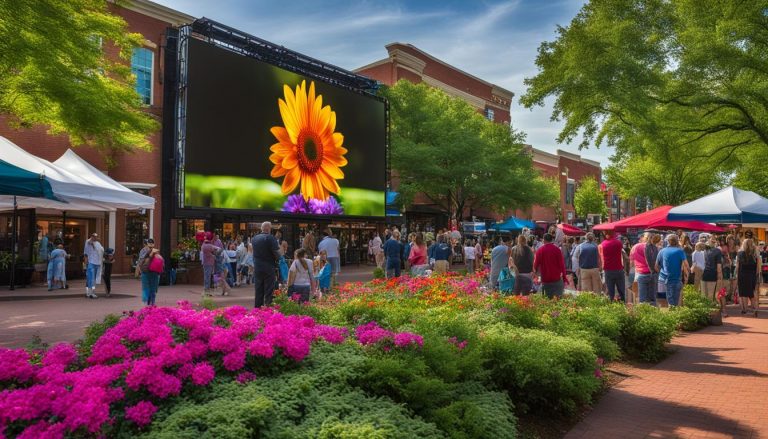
494	40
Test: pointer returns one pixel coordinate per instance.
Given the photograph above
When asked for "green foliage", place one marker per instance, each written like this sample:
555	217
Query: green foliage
589	199
679	84
314	401
207	302
379	273
540	370
432	136
646	331
94	331
477	413
55	73
694	314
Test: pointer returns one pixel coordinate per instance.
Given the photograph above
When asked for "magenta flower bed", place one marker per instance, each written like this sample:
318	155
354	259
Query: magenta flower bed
152	355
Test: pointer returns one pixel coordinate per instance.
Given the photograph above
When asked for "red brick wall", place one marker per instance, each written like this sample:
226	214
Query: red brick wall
381	73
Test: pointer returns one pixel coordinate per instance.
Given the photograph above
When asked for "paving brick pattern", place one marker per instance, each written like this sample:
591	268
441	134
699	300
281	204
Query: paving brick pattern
62	315
715	385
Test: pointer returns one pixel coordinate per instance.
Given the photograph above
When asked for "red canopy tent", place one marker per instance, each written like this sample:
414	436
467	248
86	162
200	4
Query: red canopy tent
656	219
570	230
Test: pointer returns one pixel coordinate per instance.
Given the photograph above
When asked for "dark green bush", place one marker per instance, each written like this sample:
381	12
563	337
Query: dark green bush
477	413
540	370
645	332
378	273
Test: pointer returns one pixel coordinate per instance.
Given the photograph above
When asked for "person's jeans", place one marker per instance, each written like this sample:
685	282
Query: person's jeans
153	282
470	266
614	282
673	292
207	276
264	286
393	268
231	273
644	291
106	275
552	289
90	275
145	287
172	276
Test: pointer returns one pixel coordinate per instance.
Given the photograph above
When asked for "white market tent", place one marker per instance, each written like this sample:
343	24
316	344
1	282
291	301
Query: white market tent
83	187
726	206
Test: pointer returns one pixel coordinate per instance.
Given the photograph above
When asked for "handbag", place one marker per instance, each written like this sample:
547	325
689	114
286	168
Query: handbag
156	264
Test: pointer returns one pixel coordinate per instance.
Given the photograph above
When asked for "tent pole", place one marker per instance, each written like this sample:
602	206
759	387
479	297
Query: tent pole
14	218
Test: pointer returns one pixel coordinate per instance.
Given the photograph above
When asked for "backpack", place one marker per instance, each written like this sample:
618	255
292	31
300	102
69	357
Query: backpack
156	264
506	281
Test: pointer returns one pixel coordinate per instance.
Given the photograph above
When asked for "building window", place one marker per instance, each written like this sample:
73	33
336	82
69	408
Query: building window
141	66
570	190
136	227
489	114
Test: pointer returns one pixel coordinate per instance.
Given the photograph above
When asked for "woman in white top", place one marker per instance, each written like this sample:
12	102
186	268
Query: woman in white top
698	262
469	255
300	278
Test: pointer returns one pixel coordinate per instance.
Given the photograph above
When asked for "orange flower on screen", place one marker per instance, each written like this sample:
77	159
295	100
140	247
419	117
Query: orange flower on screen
308	150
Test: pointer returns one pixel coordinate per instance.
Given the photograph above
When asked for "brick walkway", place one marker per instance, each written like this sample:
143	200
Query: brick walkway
62	315
714	386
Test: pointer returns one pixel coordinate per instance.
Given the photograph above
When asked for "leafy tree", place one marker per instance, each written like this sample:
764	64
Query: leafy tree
589	199
444	149
53	71
691	70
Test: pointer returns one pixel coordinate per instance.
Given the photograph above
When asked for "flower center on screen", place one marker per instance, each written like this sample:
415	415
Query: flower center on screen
309	151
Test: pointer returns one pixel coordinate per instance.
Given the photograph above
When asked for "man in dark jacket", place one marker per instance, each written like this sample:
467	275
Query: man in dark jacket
266	253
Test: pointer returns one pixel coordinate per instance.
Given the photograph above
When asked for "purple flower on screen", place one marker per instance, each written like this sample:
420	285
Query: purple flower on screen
295	204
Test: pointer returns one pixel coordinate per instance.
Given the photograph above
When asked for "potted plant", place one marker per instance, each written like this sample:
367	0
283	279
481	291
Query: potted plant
23	274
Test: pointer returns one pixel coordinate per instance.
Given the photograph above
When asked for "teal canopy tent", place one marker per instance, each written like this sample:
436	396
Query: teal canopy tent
512	224
17	182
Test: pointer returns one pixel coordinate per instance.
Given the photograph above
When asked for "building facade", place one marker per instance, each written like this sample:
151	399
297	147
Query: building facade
569	170
408	62
140	170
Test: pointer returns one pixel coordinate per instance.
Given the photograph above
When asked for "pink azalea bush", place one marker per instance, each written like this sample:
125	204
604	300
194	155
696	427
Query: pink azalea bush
373	334
151	355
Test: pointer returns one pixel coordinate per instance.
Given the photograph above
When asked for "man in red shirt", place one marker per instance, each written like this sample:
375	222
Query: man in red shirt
611	253
549	263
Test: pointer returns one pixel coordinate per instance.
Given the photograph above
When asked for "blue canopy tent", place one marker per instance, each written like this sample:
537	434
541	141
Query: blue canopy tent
512	224
726	206
17	182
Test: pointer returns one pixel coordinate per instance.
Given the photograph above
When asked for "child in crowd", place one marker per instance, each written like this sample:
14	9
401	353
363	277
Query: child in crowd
323	277
283	263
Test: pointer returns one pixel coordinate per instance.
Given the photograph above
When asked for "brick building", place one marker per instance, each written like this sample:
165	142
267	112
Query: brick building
569	169
140	171
408	62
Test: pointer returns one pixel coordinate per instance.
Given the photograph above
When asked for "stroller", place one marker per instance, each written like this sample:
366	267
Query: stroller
506	281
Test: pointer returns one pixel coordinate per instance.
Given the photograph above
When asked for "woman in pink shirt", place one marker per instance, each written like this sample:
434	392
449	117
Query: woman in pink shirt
642	271
418	256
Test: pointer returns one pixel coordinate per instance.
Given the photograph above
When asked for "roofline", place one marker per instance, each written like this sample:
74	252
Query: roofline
411	46
372	65
155	10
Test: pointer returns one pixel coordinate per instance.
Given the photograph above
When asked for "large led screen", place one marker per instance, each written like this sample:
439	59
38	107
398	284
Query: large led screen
261	138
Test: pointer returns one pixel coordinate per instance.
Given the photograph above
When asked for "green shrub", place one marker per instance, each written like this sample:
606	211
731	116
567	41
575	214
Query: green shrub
540	370
645	332
93	332
694	314
477	413
379	273
316	400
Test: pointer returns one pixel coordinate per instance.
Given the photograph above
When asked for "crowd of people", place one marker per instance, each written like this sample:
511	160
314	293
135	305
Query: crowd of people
720	267
262	260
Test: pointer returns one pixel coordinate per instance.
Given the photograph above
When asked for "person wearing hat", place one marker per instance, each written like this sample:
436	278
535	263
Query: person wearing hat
94	254
106	271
